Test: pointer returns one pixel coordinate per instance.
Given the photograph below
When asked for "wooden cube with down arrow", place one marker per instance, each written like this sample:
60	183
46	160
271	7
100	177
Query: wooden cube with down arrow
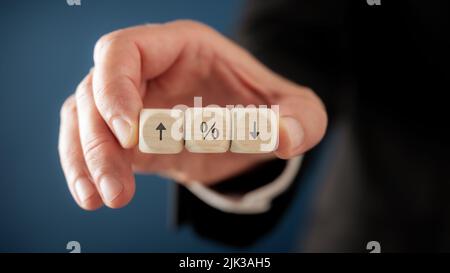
161	131
254	130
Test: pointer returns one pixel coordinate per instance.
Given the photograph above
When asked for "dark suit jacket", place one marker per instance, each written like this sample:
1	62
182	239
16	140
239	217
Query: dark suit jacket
383	73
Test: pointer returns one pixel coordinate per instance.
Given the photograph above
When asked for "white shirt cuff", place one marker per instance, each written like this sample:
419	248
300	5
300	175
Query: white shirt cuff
254	202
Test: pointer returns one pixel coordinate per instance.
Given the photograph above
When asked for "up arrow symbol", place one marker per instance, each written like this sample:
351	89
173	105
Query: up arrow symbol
160	128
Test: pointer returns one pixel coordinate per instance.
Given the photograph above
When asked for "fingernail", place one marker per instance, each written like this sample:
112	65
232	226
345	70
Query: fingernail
84	189
110	188
122	129
295	131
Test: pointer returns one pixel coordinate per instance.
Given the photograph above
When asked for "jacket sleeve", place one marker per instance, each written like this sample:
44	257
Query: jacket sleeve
302	41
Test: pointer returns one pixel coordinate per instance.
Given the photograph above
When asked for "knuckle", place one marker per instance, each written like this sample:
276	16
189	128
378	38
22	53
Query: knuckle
116	83
102	41
71	166
109	101
308	90
69	107
106	41
94	147
309	93
312	95
193	25
82	93
189	23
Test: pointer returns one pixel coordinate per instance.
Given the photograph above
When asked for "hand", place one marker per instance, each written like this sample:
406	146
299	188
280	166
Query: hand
159	66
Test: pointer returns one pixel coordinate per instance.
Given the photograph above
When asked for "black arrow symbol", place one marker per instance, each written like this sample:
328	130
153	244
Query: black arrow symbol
160	128
254	133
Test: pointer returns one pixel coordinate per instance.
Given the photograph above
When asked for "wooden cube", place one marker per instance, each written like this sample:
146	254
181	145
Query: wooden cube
161	131
207	130
254	130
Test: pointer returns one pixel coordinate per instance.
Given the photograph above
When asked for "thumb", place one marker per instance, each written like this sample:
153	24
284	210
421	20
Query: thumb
303	122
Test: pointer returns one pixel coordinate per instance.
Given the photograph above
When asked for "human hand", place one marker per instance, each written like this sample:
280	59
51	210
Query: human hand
159	66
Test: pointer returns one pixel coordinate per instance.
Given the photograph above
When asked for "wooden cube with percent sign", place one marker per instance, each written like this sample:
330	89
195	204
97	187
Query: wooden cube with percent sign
207	130
254	130
161	131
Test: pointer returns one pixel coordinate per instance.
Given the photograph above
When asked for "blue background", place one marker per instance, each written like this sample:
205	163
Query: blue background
45	51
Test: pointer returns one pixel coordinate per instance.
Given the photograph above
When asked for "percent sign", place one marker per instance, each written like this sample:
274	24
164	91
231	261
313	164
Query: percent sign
206	130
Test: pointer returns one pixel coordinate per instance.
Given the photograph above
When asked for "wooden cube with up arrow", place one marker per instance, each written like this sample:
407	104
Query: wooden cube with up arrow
161	131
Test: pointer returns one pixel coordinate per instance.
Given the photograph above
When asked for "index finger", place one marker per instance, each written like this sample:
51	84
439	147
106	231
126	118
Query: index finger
124	61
